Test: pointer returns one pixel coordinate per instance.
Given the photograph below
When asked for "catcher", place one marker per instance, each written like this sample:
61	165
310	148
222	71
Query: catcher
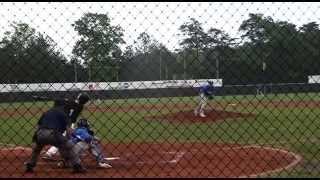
205	93
84	139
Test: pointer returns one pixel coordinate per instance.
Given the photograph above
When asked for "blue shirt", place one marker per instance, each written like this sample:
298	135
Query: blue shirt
81	134
208	90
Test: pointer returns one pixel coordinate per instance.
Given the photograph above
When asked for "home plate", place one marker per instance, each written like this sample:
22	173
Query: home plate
111	158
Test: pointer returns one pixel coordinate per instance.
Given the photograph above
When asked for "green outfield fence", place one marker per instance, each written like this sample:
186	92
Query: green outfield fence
143	64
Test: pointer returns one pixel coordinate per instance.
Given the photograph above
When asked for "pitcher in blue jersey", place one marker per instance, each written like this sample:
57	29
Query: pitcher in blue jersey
205	92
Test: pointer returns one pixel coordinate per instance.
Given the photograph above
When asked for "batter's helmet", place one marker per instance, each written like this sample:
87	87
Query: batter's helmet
83	98
83	123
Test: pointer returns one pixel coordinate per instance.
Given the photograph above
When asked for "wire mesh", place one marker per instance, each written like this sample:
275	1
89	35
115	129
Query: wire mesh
193	89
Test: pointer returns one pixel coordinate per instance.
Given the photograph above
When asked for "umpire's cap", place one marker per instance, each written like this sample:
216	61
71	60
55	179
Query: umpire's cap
83	98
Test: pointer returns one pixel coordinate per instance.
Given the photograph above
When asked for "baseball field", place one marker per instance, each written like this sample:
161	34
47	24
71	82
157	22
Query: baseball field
242	136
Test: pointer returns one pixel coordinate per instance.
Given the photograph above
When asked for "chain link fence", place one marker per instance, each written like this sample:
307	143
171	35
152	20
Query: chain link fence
193	89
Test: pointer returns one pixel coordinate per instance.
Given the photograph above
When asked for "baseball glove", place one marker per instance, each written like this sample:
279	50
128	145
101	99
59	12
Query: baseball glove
91	132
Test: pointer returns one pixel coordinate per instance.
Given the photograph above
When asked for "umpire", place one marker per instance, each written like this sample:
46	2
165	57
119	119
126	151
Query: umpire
50	130
73	109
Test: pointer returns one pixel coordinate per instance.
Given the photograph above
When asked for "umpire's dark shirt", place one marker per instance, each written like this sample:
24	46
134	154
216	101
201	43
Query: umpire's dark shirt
72	108
55	118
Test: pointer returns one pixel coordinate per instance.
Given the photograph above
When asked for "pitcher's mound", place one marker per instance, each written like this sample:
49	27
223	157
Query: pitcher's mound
189	117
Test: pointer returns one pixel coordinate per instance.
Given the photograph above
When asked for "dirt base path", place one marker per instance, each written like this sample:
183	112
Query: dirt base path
163	160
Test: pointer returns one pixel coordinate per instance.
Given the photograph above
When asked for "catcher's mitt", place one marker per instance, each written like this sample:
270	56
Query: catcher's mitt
91	132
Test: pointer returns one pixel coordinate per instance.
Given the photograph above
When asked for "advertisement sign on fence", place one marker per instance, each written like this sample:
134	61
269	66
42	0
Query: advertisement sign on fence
95	86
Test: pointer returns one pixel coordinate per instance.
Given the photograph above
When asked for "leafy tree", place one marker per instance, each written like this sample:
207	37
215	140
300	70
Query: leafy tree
218	49
202	52
145	43
256	28
272	43
192	47
29	56
195	35
147	59
99	40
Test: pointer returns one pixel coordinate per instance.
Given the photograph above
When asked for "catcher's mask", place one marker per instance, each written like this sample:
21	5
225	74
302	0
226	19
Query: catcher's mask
83	98
83	123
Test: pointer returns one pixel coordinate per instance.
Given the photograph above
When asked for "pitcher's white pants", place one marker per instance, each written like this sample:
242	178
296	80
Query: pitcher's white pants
202	104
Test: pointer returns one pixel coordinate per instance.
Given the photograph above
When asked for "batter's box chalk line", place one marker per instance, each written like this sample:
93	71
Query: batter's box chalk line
177	155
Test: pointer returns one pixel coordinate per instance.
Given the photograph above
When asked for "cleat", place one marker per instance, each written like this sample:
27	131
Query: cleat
48	157
28	169
63	164
202	115
79	169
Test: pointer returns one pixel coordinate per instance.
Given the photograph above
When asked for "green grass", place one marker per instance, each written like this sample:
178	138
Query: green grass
295	129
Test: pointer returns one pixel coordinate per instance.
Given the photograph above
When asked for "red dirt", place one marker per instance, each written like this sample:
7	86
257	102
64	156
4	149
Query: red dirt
189	117
163	160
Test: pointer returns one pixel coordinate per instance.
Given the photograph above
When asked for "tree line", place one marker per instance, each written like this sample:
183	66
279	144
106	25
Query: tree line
268	51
